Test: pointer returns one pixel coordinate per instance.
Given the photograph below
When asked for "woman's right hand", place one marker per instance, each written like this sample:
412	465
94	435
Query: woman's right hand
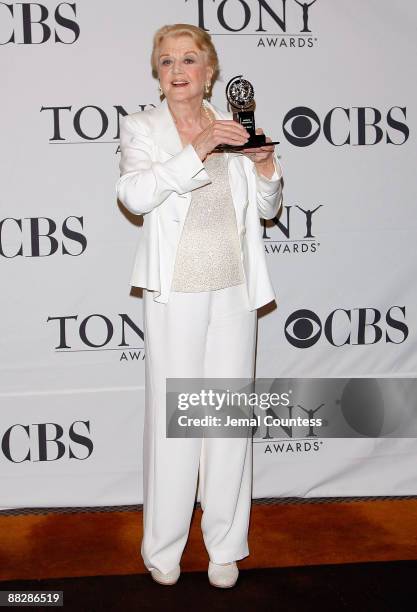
221	131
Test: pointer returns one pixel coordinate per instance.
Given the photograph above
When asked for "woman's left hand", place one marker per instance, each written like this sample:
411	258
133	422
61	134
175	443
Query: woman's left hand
262	157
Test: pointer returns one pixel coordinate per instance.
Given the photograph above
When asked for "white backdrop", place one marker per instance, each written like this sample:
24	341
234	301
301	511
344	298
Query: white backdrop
71	335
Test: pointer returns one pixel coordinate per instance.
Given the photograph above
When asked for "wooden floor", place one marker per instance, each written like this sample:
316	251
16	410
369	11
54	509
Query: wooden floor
103	543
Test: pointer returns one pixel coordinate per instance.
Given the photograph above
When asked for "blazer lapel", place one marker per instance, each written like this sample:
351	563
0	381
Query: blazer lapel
165	132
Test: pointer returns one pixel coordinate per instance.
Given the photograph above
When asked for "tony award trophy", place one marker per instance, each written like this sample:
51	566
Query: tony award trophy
240	95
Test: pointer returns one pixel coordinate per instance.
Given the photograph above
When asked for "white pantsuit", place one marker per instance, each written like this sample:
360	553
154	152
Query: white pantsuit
204	334
207	334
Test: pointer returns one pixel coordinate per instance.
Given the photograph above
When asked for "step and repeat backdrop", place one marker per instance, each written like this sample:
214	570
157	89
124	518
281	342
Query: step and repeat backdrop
334	83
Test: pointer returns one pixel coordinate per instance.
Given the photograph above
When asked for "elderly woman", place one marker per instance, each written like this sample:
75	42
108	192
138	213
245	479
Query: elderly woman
201	263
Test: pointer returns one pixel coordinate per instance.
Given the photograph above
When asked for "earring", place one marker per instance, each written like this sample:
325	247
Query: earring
207	88
160	89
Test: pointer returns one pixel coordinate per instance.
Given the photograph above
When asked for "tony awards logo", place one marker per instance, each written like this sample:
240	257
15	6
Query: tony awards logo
241	98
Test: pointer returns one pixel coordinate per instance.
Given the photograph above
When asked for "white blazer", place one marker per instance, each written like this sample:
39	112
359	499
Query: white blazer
157	177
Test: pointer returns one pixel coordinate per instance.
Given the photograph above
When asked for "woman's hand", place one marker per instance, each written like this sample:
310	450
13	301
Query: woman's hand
221	131
262	157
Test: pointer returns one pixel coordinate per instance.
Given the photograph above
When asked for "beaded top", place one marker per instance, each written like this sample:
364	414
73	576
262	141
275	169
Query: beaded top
209	255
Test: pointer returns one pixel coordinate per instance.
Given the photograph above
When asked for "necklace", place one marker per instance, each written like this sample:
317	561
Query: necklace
206	112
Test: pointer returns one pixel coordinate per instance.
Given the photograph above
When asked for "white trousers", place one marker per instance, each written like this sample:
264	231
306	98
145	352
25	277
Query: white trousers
209	334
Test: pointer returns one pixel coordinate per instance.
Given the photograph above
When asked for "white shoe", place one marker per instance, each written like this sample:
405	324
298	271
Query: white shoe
224	575
169	578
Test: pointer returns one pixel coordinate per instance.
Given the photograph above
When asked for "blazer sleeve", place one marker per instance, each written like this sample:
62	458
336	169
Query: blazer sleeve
269	192
144	183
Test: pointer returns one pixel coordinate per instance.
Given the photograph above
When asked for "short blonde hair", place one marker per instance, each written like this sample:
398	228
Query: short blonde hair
201	38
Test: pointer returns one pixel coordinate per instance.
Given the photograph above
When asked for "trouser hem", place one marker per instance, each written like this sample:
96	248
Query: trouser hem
222	556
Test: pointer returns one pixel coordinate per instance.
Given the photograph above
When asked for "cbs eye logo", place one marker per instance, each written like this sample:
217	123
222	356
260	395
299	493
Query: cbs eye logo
303	328
359	125
300	121
358	326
